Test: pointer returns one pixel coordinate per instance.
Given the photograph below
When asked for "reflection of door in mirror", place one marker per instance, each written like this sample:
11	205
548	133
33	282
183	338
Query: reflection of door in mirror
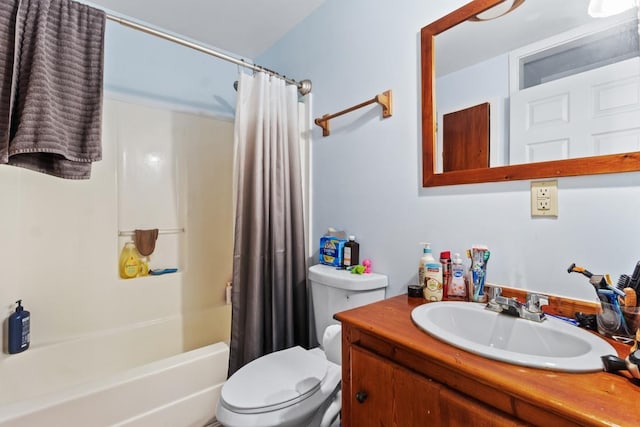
576	94
466	138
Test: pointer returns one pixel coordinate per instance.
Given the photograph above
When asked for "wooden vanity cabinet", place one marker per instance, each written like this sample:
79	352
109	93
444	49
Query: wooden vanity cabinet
383	393
459	410
394	375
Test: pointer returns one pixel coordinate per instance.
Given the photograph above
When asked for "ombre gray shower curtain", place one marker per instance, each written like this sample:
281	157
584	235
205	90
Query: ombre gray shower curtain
269	308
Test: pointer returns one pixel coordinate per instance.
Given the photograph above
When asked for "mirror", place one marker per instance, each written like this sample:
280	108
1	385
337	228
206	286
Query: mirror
555	46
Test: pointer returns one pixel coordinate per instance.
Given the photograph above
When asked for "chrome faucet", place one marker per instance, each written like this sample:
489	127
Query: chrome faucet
531	310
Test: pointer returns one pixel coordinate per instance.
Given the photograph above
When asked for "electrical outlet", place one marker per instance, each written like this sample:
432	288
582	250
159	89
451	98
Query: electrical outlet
544	198
542	192
543	204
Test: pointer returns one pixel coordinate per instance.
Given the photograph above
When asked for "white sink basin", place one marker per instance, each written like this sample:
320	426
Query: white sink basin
552	344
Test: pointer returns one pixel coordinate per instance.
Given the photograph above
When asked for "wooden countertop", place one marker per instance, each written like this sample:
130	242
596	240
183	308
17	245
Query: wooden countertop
597	398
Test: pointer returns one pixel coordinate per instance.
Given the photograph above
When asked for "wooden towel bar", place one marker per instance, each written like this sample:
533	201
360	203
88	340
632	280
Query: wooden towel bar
384	99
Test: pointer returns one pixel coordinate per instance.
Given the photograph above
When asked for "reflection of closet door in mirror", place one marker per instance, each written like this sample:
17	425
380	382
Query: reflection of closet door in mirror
466	138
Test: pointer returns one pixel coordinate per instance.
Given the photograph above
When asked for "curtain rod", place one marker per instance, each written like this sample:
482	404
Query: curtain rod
160	231
304	86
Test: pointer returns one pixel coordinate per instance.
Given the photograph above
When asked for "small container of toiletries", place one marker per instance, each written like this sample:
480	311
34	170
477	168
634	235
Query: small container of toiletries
479	255
445	260
618	322
414	291
432	288
331	250
19	330
457	289
351	253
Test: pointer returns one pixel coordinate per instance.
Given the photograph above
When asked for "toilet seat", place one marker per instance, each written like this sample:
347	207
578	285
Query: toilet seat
274	381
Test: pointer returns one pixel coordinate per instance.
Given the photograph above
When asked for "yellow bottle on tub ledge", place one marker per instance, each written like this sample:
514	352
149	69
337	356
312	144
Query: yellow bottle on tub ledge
129	261
144	266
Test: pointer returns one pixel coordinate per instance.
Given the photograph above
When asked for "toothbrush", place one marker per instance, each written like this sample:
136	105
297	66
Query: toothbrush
485	259
163	271
481	256
565	319
574	322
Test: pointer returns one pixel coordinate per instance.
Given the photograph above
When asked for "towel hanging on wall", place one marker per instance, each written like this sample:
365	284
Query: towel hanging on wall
145	241
8	10
53	122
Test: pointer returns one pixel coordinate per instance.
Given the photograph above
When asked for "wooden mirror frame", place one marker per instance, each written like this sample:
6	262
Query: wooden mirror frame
611	163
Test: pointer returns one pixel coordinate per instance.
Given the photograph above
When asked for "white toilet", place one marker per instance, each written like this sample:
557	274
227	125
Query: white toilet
297	387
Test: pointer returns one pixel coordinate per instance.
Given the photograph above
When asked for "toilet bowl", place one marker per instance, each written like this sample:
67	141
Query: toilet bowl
297	387
293	387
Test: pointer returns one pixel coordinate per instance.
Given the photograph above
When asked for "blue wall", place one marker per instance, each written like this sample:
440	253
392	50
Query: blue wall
367	174
141	65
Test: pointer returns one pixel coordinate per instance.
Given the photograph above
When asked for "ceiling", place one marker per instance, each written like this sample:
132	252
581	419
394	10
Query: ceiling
534	20
242	27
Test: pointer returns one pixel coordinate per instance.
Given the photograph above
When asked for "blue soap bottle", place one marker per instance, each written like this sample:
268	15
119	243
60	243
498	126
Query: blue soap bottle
19	329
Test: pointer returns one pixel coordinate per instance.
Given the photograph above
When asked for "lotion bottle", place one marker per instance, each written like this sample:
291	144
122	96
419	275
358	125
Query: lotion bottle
19	330
423	260
432	289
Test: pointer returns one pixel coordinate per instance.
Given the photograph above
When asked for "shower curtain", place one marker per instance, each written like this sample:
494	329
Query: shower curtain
269	301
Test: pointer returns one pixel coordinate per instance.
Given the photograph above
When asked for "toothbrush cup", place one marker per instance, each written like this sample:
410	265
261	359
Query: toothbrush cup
618	323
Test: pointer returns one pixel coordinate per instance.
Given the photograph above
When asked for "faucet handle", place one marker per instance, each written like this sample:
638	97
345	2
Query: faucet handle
494	292
535	302
494	295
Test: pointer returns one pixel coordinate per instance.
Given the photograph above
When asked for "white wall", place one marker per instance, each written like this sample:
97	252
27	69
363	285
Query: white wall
61	247
367	174
60	244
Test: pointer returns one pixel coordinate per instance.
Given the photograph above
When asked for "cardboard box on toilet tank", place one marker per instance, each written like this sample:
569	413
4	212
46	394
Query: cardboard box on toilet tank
331	250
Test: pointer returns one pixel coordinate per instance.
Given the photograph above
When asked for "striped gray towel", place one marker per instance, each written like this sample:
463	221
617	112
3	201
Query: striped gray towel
55	116
8	11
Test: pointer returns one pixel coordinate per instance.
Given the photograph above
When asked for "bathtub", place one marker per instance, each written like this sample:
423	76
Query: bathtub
50	388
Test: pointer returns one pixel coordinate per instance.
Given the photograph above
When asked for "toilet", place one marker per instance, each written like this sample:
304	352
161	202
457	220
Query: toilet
297	387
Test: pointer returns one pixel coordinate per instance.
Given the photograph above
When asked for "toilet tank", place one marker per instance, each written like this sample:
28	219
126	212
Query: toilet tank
334	290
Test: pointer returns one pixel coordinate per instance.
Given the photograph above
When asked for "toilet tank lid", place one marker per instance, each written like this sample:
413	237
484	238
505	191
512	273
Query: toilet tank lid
343	279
